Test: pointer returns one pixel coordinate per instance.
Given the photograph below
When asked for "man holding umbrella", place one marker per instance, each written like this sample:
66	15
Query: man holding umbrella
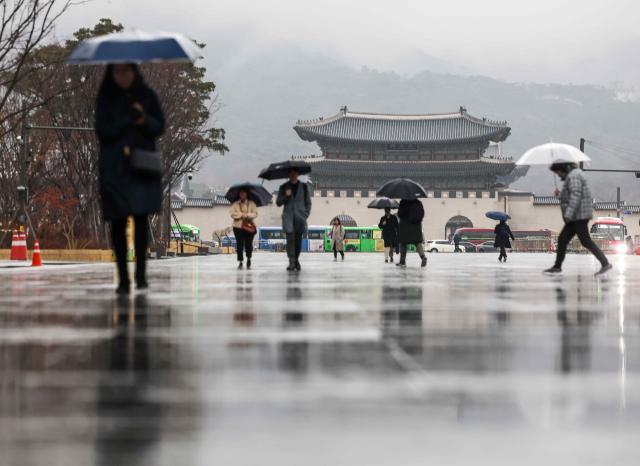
295	199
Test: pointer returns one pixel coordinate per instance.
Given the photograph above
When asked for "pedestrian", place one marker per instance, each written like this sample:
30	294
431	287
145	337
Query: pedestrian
337	239
576	204
128	118
456	242
389	226
503	235
411	214
294	196
244	212
629	245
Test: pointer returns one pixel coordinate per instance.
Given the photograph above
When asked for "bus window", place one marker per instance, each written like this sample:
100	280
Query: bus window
316	234
377	234
366	234
352	234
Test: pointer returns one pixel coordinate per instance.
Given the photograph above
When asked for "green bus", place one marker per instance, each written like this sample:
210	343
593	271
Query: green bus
358	239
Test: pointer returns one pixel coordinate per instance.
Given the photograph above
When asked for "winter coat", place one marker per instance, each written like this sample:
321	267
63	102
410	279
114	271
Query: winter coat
503	233
576	202
389	227
238	210
337	237
123	192
296	209
411	214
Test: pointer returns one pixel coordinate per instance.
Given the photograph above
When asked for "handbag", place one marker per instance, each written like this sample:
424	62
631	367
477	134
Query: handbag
248	226
146	163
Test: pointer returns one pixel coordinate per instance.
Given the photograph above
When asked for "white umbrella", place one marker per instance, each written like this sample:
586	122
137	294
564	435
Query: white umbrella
552	152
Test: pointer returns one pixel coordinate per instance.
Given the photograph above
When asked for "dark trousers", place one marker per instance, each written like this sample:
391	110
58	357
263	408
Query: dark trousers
405	247
503	252
119	244
580	228
294	245
335	252
244	243
457	249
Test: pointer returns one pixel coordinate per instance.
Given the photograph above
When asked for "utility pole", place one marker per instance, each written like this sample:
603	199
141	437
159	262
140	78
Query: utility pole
618	210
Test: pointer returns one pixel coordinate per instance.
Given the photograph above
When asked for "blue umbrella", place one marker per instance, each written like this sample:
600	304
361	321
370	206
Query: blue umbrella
497	215
257	193
135	47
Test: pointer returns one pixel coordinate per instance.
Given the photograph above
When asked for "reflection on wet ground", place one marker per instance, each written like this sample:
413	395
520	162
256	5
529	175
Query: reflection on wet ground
345	363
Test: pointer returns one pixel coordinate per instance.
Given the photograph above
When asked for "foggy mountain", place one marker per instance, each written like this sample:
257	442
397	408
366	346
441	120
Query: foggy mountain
264	94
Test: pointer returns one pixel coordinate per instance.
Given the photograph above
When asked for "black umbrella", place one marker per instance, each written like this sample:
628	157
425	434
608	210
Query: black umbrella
383	203
279	170
257	193
402	188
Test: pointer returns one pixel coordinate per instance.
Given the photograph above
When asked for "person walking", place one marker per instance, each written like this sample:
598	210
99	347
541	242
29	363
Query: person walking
411	214
389	226
337	239
244	212
295	198
503	235
576	204
456	242
128	117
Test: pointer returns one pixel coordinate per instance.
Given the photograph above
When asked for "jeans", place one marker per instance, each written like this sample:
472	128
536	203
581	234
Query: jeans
404	248
335	252
294	245
580	228
119	244
244	243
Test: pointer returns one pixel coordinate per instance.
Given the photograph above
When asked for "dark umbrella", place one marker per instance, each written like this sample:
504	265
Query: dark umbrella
279	170
345	220
257	193
497	215
383	203
402	188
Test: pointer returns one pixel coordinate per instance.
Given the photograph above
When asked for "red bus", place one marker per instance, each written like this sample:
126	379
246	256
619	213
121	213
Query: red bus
610	234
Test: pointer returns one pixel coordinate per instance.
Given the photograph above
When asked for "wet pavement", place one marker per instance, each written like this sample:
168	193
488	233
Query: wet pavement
468	361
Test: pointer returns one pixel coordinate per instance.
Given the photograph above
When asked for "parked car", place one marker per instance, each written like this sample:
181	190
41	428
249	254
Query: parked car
468	246
487	246
440	245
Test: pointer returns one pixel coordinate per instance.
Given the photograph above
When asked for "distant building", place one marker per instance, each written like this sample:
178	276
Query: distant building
446	153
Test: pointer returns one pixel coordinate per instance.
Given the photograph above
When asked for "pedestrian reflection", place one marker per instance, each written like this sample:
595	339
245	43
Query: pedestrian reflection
575	338
129	422
293	354
502	295
245	315
402	317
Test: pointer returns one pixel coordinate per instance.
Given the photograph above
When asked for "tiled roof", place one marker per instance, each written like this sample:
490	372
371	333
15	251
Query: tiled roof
417	129
597	205
388	169
177	204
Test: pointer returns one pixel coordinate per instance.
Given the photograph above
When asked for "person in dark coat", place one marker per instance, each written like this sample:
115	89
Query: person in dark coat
128	117
411	214
294	196
503	234
456	242
389	226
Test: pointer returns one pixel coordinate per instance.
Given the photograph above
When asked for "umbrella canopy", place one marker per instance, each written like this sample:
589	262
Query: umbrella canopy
552	152
497	215
280	170
383	203
257	193
135	47
402	188
345	220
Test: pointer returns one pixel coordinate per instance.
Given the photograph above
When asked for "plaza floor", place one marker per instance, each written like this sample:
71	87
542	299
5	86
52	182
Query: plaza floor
468	361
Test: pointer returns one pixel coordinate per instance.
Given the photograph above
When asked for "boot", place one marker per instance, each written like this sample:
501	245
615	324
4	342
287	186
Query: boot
249	263
292	265
297	265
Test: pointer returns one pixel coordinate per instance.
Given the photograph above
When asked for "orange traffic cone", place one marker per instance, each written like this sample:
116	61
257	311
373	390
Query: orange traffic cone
36	260
19	247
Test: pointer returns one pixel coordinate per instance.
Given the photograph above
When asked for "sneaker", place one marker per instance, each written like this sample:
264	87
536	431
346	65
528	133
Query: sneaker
123	288
386	261
604	269
335	259
424	261
401	264
553	270
342	258
142	285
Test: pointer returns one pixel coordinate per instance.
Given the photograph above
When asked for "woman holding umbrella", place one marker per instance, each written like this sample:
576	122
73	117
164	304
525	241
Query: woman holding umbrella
245	199
337	239
128	119
503	234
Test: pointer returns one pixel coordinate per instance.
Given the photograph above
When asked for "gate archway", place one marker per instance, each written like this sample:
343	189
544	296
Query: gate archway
459	221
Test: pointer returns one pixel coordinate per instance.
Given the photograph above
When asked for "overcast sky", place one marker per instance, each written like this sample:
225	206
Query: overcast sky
577	41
